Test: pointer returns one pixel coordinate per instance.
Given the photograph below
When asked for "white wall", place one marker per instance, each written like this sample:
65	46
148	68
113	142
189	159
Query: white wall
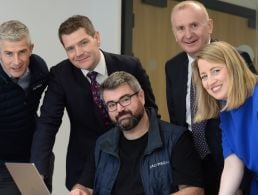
43	19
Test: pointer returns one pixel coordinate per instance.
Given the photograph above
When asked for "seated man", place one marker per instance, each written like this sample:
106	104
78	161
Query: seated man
142	154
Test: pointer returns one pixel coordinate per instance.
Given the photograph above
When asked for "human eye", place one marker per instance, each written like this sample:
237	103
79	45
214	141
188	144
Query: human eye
204	77
194	25
125	99
84	43
111	105
69	49
23	52
180	28
9	54
215	71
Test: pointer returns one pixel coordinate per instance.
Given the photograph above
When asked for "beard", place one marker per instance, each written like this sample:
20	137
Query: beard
130	121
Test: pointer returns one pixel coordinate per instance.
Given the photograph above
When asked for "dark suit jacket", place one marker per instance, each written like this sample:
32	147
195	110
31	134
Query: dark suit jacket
69	89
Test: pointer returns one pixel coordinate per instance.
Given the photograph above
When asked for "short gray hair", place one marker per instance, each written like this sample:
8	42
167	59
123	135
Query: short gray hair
119	78
14	30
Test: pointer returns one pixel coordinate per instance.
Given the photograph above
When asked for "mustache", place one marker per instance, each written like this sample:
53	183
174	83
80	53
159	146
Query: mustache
123	113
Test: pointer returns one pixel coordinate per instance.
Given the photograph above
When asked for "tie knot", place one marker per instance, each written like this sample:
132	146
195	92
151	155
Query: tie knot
92	75
15	80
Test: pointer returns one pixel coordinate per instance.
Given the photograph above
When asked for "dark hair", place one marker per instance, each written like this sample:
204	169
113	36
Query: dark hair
73	23
120	78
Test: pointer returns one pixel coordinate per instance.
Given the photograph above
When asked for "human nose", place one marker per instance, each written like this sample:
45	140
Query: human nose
119	107
188	32
78	51
210	81
16	59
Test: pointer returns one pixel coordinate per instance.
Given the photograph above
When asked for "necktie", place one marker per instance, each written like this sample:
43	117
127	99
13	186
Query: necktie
94	85
15	80
198	129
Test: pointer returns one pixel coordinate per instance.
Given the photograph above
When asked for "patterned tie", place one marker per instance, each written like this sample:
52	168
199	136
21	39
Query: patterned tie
198	129
97	99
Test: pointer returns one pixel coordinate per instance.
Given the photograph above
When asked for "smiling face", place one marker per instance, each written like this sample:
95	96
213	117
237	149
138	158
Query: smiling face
192	28
215	78
82	49
126	117
15	56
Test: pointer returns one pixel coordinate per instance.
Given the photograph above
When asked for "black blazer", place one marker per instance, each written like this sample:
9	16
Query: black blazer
69	89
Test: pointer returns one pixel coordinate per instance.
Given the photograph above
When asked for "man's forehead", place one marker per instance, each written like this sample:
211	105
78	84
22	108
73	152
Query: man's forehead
187	20
118	92
189	11
8	45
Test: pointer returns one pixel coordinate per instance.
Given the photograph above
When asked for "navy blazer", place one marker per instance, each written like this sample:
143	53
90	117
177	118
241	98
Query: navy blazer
69	89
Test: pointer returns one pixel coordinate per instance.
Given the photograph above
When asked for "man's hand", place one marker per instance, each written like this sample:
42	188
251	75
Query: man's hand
189	190
79	189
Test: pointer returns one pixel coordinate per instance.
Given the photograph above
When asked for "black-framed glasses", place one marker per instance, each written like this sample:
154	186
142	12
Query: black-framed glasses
123	101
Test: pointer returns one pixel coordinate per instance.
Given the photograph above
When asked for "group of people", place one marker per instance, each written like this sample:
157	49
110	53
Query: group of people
118	144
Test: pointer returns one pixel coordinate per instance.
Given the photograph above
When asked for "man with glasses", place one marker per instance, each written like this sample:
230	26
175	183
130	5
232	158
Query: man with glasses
141	154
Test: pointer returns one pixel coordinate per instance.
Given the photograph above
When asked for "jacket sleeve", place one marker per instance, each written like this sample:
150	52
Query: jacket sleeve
88	174
47	126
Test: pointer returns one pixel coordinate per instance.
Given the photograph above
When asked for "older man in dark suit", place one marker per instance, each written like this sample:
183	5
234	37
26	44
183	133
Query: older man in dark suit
74	85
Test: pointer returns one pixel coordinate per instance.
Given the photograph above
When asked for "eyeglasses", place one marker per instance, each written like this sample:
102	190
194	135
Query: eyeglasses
123	101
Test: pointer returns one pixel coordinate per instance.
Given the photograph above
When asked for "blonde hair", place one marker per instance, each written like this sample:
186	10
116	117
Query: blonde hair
241	80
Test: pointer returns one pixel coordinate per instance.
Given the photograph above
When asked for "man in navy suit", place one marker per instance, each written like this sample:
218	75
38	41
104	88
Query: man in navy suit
192	28
70	88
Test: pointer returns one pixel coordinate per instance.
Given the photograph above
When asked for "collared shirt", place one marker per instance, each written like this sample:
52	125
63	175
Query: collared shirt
23	81
101	69
187	102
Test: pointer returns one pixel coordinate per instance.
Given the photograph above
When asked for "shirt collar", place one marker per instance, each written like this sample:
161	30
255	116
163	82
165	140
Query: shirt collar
25	75
100	68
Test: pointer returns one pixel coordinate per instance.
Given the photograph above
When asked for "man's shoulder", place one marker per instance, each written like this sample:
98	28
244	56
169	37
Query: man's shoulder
169	129
107	141
182	56
63	63
112	57
63	66
36	60
107	136
38	65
